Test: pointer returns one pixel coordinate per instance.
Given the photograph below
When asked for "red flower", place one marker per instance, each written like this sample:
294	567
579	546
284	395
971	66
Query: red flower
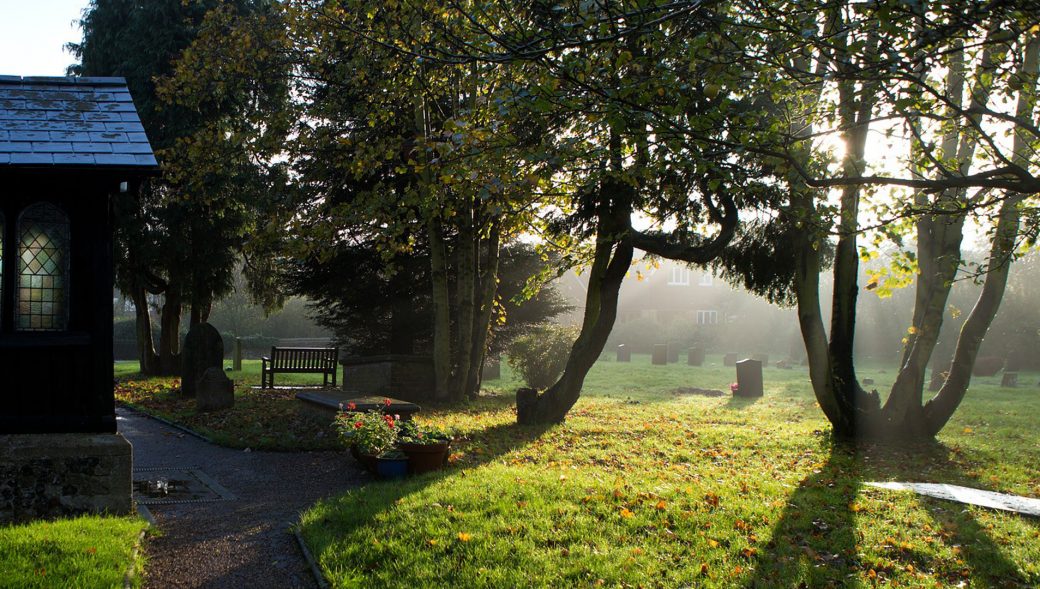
389	420
351	406
733	387
358	424
387	402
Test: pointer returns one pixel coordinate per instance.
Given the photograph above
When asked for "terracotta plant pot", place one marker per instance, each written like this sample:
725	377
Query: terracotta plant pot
425	457
392	468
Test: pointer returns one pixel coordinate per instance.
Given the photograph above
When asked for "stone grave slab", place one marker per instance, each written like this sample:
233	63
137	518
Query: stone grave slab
969	496
166	486
326	404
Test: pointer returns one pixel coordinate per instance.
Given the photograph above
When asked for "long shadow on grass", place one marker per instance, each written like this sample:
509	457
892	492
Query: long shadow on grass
814	542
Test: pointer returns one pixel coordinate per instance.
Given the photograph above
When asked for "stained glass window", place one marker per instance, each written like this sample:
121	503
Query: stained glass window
43	269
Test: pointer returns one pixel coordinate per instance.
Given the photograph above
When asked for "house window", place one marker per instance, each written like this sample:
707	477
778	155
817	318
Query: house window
706	279
43	269
707	317
680	276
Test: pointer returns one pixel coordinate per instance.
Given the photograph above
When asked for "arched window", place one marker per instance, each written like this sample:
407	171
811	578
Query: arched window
43	269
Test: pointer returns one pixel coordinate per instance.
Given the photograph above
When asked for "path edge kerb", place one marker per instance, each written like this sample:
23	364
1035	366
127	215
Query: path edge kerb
164	421
319	576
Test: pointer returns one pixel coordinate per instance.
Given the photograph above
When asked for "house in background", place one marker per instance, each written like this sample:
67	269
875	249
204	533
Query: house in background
666	301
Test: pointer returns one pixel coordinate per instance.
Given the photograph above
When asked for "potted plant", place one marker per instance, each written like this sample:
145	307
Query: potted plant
426	447
369	434
392	464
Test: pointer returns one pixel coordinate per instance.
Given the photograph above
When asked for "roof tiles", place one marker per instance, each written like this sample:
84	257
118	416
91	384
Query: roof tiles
73	122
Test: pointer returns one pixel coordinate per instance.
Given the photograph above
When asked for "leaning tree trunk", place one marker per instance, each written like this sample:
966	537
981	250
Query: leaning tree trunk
939	410
611	263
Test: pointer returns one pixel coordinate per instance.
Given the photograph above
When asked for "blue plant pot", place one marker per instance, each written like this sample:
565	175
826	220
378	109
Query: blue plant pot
392	468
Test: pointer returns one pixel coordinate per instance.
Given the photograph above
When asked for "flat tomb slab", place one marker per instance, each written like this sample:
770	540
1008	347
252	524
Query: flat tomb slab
164	486
969	496
328	403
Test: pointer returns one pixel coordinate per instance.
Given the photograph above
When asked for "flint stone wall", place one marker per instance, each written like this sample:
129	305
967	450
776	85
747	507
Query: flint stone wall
45	476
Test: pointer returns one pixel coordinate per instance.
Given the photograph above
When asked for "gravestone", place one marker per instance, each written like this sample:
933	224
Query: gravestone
673	352
868	381
730	359
624	354
1010	380
214	390
749	378
660	356
695	356
203	348
492	368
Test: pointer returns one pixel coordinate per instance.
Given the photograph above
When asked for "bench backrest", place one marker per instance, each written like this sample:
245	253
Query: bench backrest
303	358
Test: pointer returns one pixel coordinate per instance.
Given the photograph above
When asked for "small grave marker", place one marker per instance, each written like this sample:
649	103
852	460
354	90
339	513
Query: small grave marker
1009	380
624	353
695	356
730	359
749	378
660	356
214	391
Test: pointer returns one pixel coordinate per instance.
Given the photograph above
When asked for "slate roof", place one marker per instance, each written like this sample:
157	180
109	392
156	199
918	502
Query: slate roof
71	123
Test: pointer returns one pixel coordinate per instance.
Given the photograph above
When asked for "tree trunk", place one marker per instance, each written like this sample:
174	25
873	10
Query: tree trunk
938	411
488	289
169	335
609	267
810	319
466	283
441	313
146	355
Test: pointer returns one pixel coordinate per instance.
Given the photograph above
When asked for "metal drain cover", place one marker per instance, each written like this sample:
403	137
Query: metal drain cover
164	486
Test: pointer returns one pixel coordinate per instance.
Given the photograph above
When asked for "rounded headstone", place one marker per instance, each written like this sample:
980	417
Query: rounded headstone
203	348
214	390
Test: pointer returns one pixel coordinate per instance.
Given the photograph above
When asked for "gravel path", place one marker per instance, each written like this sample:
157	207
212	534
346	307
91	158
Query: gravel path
239	543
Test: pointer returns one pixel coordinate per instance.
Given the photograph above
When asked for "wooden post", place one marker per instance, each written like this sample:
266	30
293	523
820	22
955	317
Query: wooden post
236	361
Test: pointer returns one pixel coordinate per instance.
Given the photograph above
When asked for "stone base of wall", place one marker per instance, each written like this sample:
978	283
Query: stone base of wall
409	378
58	475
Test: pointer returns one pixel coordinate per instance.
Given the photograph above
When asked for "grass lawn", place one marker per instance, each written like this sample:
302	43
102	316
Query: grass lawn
84	552
646	486
265	420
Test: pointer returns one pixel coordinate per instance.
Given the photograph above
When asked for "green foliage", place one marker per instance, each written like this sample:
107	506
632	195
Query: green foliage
541	355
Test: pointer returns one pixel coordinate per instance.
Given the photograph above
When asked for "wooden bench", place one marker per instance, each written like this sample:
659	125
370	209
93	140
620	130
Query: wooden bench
298	361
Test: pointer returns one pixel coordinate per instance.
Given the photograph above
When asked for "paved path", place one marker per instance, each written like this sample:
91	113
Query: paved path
240	543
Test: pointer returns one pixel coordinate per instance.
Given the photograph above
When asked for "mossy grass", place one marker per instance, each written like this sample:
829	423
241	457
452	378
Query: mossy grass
648	485
89	551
